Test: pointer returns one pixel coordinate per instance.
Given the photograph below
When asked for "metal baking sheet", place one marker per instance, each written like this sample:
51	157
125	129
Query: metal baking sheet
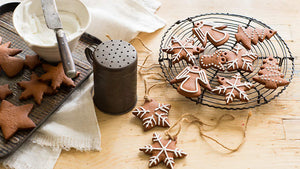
50	104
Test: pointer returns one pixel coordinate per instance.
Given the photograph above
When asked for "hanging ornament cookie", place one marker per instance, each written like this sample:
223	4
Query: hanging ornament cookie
153	114
252	35
9	64
270	74
163	150
240	59
35	88
183	49
191	79
4	91
210	31
215	60
14	117
233	88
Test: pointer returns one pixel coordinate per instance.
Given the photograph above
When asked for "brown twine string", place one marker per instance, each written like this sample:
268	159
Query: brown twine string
194	119
147	90
142	66
107	35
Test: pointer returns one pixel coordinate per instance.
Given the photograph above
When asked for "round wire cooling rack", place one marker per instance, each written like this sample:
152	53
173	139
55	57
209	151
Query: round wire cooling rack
258	95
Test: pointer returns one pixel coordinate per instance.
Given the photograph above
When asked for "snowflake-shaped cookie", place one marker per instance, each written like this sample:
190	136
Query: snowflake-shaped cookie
239	59
163	150
233	88
153	114
183	49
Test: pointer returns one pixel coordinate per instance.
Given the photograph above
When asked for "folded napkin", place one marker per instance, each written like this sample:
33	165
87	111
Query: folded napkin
75	124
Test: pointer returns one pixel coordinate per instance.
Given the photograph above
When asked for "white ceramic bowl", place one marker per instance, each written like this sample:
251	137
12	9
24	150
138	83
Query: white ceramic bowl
50	52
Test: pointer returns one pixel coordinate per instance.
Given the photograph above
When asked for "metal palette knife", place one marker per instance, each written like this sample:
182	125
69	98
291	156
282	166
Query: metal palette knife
53	22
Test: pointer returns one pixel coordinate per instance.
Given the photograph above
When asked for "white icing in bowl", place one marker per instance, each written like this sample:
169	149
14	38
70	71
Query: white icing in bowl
30	24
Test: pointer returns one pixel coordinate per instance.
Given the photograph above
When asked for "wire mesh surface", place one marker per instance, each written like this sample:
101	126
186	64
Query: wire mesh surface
50	104
258	95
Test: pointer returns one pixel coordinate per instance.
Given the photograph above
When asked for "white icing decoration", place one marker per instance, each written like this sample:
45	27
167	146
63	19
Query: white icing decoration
163	107
230	96
140	112
184	75
216	54
253	33
163	149
176	56
203	36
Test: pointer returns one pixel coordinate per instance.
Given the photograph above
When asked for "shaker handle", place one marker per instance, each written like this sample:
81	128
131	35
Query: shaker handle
89	55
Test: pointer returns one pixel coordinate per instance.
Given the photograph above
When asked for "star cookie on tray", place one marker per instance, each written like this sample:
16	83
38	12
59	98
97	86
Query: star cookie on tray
56	75
32	61
183	49
163	150
13	118
153	114
233	88
4	91
10	65
35	88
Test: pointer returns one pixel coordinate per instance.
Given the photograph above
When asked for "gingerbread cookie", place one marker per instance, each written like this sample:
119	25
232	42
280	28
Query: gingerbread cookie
4	91
215	60
9	64
191	79
270	74
14	117
183	49
153	114
32	61
252	35
163	150
210	31
35	88
240	59
56	75
233	88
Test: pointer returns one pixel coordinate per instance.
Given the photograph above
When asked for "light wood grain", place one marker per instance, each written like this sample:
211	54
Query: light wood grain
273	131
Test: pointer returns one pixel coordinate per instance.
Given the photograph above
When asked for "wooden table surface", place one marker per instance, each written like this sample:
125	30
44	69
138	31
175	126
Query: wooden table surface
273	137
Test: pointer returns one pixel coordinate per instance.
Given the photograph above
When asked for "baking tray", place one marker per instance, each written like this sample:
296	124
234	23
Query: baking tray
50	104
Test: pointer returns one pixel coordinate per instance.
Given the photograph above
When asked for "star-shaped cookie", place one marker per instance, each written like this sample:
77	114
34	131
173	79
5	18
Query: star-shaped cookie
163	150
35	88
153	114
9	64
13	118
56	75
4	91
32	61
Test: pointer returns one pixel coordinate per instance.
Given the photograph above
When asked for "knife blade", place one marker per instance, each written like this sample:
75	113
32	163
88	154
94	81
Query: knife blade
53	22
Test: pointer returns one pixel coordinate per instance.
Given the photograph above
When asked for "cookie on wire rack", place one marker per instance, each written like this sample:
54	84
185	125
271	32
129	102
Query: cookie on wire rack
183	49
233	88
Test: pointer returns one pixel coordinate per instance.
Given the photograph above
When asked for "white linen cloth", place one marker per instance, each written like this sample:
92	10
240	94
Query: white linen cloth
75	124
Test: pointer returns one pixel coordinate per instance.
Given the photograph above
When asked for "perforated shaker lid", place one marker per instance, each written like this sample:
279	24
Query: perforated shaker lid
115	54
